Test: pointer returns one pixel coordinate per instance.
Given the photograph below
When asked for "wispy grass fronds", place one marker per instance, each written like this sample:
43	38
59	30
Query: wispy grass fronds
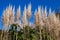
45	27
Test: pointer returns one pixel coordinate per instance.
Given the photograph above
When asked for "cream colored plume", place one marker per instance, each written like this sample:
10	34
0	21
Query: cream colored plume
35	18
44	14
6	17
29	11
24	19
18	14
4	20
55	24
11	16
40	22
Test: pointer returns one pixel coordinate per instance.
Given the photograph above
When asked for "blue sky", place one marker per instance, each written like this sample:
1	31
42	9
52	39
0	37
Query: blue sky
53	4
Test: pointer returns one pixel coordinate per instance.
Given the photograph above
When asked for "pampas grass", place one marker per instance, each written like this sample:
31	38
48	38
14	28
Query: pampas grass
49	24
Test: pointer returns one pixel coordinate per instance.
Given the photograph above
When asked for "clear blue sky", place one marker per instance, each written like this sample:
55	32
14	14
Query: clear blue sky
54	4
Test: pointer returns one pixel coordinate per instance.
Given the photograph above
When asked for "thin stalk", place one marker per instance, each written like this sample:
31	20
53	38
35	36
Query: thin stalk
40	34
24	33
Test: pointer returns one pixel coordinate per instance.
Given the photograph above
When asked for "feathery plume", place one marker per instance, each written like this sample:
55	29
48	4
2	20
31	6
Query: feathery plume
29	11
24	20
44	14
11	16
54	24
35	18
40	22
6	17
18	14
50	17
